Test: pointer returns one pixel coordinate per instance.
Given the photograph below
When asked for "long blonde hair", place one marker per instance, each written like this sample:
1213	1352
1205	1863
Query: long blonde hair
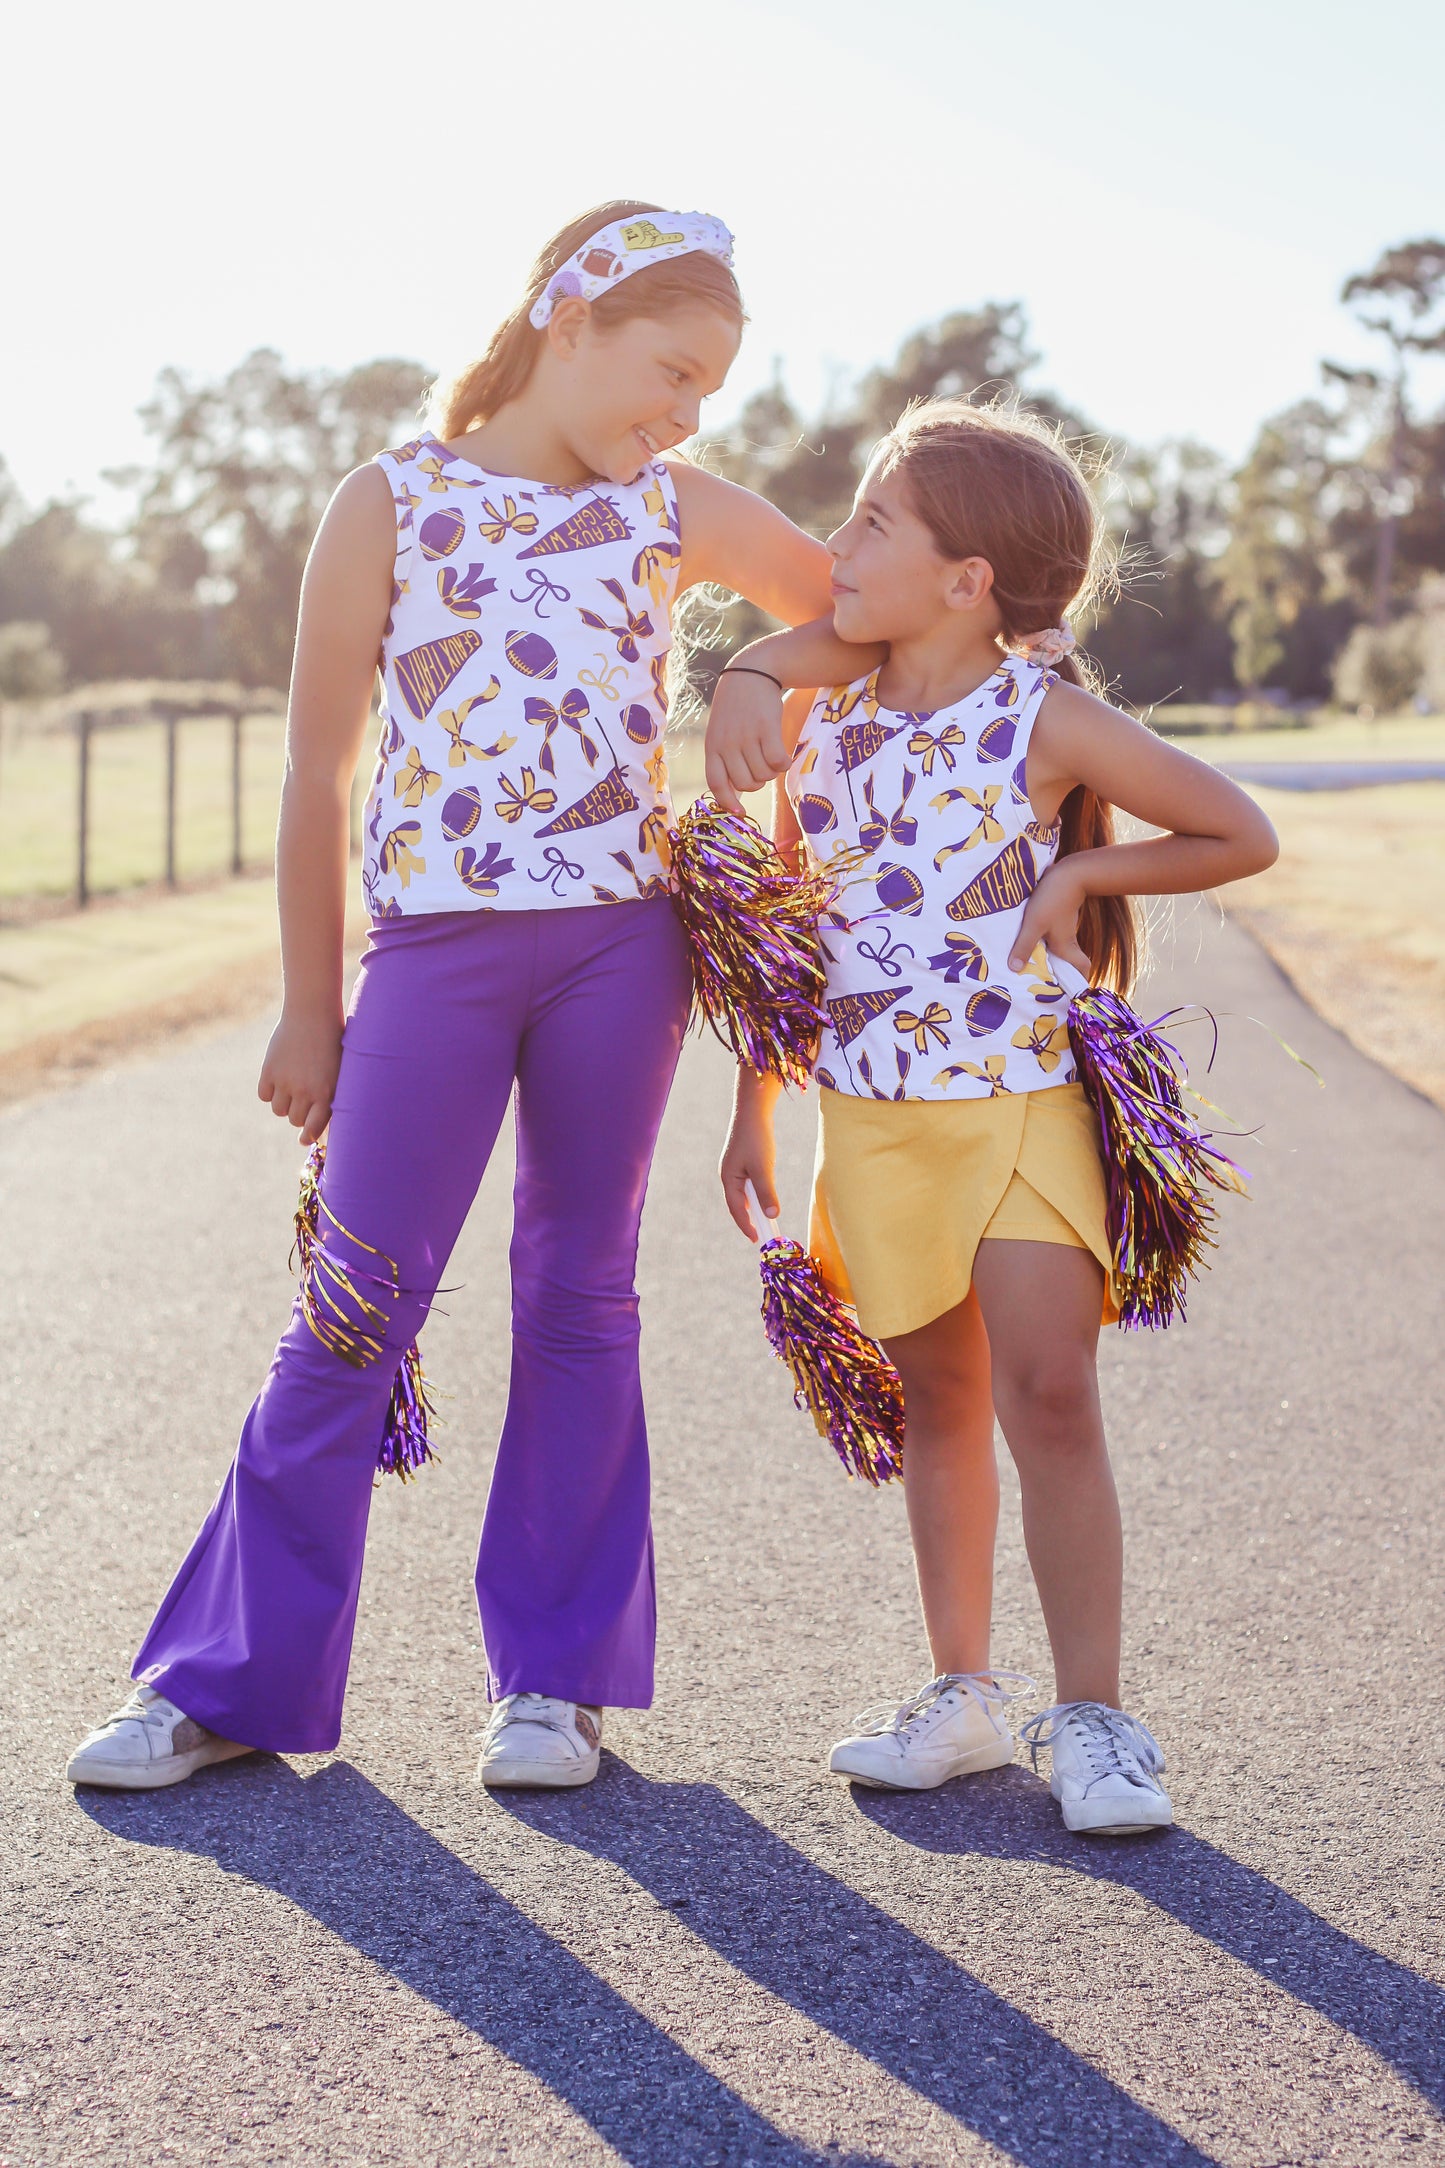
486	385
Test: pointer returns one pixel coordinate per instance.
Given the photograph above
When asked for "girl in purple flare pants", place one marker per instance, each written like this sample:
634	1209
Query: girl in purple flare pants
586	1009
512	575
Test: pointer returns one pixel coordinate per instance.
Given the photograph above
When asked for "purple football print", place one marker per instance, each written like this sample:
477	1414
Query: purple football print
533	656
996	739
815	815
461	813
900	889
440	532
640	724
986	1010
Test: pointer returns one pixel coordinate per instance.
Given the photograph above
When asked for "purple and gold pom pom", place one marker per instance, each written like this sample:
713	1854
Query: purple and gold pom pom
752	929
1159	1165
842	1378
351	1322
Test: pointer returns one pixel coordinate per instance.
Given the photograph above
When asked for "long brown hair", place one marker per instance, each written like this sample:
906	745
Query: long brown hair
998	482
502	372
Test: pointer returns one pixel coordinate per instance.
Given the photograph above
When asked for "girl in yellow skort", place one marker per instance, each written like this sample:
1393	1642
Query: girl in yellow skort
960	789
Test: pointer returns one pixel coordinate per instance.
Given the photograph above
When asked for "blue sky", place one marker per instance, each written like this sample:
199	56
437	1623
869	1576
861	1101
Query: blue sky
1175	194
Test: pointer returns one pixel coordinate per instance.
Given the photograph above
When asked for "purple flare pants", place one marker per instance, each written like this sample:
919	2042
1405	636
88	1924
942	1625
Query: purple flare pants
583	1010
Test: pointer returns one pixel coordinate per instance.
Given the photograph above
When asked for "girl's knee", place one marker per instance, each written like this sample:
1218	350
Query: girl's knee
1053	1391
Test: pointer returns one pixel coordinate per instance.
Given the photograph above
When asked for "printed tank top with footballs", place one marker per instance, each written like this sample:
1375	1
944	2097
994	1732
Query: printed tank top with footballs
521	764
926	819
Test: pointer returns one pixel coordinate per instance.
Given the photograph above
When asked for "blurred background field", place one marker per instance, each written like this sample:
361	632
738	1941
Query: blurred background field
1354	911
39	791
1281	604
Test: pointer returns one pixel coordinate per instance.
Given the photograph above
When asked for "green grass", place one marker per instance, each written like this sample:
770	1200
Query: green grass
1336	737
1355	912
38	797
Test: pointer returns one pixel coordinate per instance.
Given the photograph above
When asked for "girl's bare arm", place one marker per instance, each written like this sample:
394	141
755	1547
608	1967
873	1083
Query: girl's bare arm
1214	831
345	597
738	540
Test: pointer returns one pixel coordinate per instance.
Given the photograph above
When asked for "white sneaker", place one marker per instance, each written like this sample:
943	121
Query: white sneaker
146	1745
1106	1765
951	1727
535	1739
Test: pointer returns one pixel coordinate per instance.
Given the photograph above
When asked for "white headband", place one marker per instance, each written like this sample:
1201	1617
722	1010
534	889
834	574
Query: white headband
1046	647
630	245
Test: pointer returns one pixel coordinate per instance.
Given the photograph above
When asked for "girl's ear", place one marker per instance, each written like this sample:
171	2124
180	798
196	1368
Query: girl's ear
567	326
970	584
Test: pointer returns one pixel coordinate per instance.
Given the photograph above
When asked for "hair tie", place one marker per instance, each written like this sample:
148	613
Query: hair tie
614	252
1047	647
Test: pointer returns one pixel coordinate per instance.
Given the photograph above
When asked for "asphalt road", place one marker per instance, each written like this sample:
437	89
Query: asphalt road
717	1954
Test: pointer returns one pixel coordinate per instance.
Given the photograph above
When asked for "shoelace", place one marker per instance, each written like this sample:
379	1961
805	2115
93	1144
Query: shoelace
986	1687
145	1706
1115	1743
544	1709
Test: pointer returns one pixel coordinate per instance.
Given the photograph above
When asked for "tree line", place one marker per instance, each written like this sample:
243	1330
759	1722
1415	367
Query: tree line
1316	566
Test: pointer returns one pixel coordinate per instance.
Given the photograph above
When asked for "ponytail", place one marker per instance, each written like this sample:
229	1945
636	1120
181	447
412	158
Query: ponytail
503	372
1108	925
488	383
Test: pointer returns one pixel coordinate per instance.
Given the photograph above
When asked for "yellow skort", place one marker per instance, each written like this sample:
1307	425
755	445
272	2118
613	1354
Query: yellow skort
905	1190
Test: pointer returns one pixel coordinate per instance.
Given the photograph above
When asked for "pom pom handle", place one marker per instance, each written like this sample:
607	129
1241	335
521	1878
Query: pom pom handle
760	1217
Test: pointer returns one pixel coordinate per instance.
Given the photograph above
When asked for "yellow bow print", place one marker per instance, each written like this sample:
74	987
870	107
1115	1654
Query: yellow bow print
398	852
454	722
1040	971
843	699
650	566
987	829
654	834
990	1072
932	1021
924	746
441	480
517	799
1046	1039
496	523
414	780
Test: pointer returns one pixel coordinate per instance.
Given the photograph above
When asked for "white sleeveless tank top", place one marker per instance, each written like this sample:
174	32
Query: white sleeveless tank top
940	851
521	766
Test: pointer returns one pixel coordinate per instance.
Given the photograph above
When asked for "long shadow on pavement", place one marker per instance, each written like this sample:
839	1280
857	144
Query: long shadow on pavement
345	1853
852	1969
1009	1815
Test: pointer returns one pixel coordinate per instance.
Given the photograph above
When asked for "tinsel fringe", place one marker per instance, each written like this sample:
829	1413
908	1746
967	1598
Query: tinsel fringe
752	930
332	1300
1160	1166
842	1378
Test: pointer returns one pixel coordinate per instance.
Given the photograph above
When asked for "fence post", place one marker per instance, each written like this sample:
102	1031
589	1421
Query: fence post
171	728
236	854
82	811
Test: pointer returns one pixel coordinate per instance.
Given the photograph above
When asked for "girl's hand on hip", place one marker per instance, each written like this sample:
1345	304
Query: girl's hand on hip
745	746
298	1075
1051	915
749	1156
